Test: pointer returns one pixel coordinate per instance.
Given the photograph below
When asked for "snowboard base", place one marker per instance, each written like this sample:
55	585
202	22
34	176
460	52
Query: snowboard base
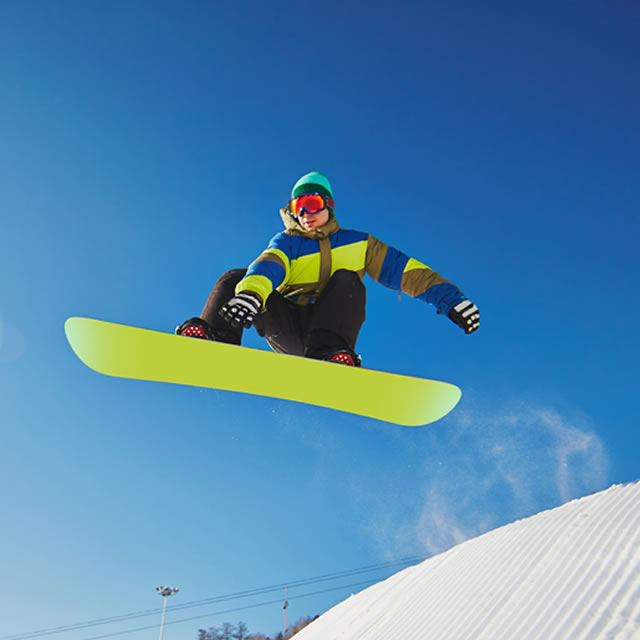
130	352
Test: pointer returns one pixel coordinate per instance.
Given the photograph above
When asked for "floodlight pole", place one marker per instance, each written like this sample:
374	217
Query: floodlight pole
165	592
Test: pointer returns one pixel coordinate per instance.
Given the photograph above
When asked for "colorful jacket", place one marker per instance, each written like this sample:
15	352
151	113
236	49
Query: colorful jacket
298	264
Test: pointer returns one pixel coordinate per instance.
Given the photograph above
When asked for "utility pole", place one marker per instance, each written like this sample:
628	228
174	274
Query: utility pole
286	606
165	592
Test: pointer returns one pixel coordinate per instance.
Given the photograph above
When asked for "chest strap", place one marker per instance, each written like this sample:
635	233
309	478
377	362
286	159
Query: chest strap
325	264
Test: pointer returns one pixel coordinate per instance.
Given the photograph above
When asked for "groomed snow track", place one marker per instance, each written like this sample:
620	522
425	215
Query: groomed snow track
569	573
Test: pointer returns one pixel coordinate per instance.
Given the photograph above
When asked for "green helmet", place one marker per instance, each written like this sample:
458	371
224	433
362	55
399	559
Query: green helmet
314	182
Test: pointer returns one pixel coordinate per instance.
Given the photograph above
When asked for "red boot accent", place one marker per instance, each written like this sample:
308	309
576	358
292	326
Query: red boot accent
193	331
342	357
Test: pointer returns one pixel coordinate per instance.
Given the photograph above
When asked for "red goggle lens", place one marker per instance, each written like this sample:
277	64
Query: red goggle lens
311	203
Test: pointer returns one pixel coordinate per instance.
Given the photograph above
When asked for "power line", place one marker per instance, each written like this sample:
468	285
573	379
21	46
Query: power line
234	610
213	600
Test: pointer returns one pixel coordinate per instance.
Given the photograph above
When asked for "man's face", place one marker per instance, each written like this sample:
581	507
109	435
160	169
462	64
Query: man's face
311	221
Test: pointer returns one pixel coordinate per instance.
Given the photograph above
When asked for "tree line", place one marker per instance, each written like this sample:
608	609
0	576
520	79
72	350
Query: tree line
241	632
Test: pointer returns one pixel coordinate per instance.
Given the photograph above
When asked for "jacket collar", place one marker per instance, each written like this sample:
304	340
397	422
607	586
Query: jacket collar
293	227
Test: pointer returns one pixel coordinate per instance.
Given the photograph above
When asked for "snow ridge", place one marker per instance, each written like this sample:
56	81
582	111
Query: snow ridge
569	573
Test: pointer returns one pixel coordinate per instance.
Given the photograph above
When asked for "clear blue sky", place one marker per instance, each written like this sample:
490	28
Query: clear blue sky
146	147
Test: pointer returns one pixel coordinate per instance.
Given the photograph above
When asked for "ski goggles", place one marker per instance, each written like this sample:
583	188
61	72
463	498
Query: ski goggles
310	202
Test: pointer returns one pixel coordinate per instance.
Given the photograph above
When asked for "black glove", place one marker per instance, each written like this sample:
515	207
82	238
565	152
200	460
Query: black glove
242	309
466	315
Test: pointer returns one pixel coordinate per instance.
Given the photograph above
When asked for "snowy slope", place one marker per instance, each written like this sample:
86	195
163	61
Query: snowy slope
572	572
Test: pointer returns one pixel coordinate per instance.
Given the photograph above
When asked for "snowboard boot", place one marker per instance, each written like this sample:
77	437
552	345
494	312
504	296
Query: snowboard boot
195	328
199	328
342	355
345	356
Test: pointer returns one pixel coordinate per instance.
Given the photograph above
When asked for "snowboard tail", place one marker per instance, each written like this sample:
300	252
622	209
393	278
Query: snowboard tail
130	352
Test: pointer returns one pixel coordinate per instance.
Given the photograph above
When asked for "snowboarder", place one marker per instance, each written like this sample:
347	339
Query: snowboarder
305	294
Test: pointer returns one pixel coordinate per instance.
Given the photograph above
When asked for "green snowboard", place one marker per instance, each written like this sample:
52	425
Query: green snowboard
129	352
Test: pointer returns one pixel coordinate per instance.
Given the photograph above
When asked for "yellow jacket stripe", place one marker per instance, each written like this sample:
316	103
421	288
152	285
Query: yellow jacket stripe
298	265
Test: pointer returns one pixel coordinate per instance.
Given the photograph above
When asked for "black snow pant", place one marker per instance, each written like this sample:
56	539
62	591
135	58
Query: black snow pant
332	322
